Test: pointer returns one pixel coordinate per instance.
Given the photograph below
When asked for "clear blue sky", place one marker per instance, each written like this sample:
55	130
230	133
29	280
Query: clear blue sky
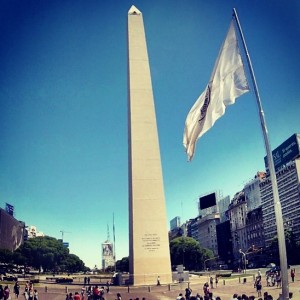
63	107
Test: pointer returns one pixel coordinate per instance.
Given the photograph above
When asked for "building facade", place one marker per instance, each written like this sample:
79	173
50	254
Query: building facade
289	194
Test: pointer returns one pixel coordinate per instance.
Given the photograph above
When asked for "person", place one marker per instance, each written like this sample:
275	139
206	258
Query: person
158	280
211	281
179	297
206	289
119	296
96	293
293	274
1	292
17	289
6	292
82	292
217	280
278	279
188	292
198	297
76	296
258	286
35	295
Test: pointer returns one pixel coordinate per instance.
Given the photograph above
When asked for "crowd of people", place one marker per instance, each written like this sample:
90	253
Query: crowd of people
29	292
209	285
89	292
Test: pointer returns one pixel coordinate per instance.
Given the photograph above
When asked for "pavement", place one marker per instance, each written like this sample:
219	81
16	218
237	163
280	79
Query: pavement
242	284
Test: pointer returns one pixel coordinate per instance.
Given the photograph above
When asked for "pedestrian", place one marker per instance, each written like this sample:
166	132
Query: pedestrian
278	280
258	286
76	296
1	292
6	292
119	296
179	297
217	280
158	280
188	292
293	274
211	281
17	289
107	287
206	289
35	295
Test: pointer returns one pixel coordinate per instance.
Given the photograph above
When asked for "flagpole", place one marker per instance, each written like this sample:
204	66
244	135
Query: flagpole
114	237
277	205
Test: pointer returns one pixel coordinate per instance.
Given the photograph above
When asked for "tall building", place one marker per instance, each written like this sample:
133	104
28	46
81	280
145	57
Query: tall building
237	212
207	231
149	255
287	164
288	187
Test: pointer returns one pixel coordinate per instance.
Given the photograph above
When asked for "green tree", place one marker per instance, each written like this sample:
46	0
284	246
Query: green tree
292	248
44	252
123	264
188	252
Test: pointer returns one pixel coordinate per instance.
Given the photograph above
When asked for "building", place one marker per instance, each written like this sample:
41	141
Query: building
207	232
11	231
224	240
176	230
237	212
287	165
32	232
289	195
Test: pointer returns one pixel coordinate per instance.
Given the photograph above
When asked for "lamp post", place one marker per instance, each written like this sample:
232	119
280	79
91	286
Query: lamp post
244	259
250	250
213	258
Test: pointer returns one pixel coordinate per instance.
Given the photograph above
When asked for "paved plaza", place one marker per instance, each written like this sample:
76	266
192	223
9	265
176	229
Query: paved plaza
225	289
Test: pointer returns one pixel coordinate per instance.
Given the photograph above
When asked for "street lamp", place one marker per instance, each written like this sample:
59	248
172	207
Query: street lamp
251	249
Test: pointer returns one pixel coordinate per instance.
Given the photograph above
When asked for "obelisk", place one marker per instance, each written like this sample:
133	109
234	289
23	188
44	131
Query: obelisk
149	254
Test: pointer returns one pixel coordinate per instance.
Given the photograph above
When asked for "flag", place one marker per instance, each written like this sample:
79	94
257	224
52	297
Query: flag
227	82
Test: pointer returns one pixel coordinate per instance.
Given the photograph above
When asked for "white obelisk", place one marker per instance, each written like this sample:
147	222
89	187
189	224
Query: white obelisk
149	254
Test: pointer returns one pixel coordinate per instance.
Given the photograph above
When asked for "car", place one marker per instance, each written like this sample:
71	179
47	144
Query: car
271	265
273	270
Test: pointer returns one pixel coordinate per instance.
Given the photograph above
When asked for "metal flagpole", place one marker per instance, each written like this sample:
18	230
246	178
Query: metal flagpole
277	205
114	236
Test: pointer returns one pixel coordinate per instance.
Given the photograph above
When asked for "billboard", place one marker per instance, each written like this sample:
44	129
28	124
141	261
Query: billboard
11	231
107	249
286	152
207	201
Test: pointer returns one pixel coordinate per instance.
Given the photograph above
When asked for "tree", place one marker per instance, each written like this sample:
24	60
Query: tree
292	248
123	264
44	252
188	252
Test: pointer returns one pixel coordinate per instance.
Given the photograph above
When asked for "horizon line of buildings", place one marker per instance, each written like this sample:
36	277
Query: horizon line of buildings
245	224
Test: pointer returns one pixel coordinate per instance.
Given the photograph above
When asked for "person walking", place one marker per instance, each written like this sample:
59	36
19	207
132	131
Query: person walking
1	292
293	271
6	293
17	289
258	286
